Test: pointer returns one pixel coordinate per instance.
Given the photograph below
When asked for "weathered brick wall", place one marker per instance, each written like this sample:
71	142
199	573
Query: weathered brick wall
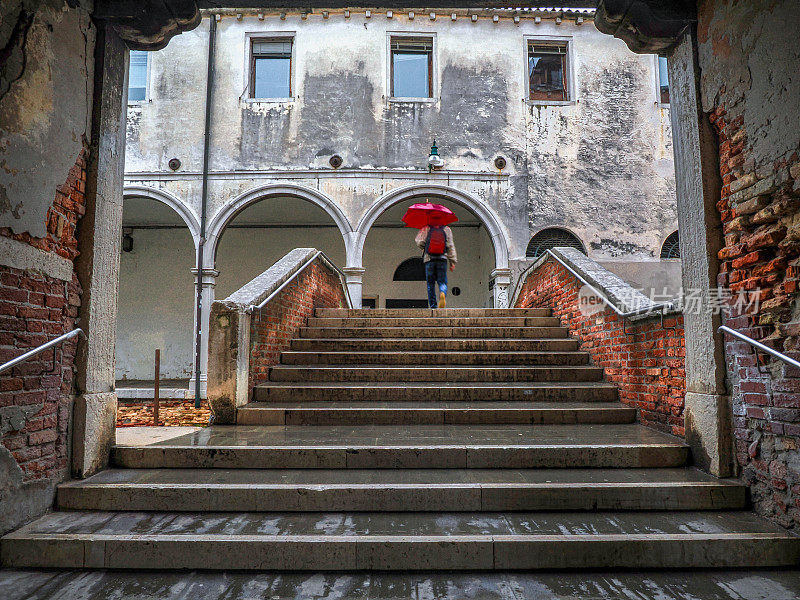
644	359
35	399
274	326
750	91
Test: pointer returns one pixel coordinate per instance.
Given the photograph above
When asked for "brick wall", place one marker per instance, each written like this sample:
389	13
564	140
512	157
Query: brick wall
751	93
35	399
644	359
273	327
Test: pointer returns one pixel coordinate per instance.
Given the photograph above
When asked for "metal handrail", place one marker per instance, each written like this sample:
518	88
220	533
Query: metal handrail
632	313
38	350
759	346
327	261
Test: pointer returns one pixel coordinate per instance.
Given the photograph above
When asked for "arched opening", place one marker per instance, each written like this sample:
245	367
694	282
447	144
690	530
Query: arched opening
389	242
552	237
156	289
411	269
671	248
264	230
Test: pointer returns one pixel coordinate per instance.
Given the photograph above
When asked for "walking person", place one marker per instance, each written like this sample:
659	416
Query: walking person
439	254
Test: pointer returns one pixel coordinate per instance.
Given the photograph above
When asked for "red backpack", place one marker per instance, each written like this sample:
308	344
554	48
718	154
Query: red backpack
436	244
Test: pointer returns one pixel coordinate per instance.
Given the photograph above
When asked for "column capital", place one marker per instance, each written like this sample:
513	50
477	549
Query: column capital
501	276
354	273
209	277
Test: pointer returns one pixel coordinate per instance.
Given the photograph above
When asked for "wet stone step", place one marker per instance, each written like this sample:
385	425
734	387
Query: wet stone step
399	541
340	313
434	332
450	373
436	392
437	321
432	413
410	446
407	344
248	490
433	358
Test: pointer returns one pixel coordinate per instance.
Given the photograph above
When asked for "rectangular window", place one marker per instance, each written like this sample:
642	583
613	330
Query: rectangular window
547	71
271	68
412	67
663	81
137	76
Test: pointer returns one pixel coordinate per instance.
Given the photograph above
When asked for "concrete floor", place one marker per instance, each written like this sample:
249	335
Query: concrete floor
107	585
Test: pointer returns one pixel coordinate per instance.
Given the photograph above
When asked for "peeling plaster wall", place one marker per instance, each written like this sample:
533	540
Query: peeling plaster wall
46	81
749	61
601	167
43	121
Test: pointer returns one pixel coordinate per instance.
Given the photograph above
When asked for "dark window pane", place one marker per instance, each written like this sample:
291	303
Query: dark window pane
271	77
410	76
547	75
552	238
412	269
663	80
137	76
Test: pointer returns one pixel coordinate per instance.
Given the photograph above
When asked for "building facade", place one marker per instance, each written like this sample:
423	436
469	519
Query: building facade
321	126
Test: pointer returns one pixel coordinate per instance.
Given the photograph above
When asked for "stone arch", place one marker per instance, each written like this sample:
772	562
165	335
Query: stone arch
486	215
184	212
220	221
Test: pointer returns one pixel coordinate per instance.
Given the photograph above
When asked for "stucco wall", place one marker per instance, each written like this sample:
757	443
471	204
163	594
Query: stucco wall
601	167
156	304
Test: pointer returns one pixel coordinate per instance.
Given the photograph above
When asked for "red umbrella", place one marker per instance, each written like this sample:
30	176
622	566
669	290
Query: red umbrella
420	215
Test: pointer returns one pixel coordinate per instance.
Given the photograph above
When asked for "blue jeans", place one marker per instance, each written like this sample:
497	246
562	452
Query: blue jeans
435	272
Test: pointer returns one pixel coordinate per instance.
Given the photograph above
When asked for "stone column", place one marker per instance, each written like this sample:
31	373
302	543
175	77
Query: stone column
502	279
99	238
707	410
354	279
209	283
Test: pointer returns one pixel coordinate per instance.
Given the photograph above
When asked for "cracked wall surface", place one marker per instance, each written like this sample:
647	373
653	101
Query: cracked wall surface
46	70
45	105
600	166
750	92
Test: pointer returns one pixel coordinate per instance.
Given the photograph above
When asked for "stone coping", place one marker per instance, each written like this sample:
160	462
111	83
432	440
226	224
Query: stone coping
620	294
260	287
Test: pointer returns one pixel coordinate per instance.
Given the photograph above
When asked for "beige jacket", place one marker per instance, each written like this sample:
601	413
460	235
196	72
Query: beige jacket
422	237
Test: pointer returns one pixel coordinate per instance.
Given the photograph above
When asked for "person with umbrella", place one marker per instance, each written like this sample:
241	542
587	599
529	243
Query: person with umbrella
438	248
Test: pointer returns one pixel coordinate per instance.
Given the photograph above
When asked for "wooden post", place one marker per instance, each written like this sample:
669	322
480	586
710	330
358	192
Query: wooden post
155	389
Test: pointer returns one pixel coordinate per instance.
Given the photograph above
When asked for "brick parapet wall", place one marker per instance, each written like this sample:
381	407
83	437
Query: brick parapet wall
645	359
35	399
273	327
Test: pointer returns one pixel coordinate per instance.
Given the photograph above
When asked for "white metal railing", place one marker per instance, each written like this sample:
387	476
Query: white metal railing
759	346
38	350
319	254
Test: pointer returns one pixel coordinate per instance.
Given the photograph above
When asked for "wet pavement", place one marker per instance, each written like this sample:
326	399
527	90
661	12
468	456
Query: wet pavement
107	585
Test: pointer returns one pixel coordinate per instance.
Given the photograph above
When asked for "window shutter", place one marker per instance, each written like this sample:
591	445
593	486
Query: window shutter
272	48
416	45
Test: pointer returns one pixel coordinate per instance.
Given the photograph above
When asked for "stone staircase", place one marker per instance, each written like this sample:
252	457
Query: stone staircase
411	440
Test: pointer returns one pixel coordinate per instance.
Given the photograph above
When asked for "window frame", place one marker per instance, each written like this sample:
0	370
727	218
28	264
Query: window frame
433	66
657	77
146	98
249	62
571	87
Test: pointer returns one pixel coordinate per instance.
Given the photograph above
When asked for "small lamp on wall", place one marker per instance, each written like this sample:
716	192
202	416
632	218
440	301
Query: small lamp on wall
127	240
434	160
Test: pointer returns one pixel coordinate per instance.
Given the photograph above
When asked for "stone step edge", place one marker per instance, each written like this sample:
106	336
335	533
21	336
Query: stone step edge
587	497
475	456
401	552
